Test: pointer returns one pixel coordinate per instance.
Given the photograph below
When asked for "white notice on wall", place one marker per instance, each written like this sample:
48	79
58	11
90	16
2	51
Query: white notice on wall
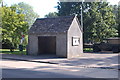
75	41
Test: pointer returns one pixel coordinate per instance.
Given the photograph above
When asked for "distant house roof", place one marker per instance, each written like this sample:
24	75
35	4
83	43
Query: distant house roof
54	25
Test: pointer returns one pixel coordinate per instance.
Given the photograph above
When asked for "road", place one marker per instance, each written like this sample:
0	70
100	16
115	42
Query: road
25	69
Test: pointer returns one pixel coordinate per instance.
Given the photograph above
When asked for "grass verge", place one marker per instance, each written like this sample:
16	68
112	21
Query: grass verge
88	49
16	51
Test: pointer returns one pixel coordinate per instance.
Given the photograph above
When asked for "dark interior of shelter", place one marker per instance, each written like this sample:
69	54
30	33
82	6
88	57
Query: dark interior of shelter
46	45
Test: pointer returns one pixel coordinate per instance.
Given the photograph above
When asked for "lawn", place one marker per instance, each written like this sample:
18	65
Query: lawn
88	49
16	51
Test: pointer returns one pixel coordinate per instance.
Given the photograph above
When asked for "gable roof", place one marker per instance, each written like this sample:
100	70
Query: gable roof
51	25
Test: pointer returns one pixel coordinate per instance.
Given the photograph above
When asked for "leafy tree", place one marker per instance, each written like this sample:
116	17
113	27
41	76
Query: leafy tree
117	15
0	22
28	11
119	20
0	1
13	24
104	21
0	32
98	18
51	15
16	20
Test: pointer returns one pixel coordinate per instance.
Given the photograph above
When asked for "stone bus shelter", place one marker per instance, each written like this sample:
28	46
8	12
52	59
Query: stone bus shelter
61	36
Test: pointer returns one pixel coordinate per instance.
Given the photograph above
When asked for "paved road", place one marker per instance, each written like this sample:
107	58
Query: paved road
24	69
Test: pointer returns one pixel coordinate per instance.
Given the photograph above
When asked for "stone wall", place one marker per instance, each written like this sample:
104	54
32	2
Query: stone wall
74	31
61	44
32	45
64	47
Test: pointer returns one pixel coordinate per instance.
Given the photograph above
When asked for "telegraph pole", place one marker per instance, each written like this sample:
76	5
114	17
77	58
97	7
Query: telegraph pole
82	14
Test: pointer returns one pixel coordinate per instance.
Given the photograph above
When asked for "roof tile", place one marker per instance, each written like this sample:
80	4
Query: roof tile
45	25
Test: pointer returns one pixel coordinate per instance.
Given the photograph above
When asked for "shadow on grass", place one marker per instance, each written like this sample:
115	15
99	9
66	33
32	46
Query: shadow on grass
14	52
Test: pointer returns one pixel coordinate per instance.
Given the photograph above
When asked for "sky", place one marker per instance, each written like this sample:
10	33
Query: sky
43	7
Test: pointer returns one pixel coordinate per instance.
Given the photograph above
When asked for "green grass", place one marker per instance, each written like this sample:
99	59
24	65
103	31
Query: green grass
16	51
88	49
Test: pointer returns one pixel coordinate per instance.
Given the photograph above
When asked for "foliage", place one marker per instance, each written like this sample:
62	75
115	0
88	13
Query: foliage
99	20
15	21
51	15
6	44
13	24
0	1
103	21
118	20
28	11
116	11
0	24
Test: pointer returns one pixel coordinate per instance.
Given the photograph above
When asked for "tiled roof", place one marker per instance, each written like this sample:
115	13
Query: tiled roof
54	25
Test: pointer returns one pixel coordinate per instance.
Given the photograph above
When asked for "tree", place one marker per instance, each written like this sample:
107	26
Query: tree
0	1
104	21
118	20
51	15
0	24
116	11
28	11
12	25
98	18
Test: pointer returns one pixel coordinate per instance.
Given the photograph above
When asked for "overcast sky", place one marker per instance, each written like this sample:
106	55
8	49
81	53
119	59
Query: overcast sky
43	7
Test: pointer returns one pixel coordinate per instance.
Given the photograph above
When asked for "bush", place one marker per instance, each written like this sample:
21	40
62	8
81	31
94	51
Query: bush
6	44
